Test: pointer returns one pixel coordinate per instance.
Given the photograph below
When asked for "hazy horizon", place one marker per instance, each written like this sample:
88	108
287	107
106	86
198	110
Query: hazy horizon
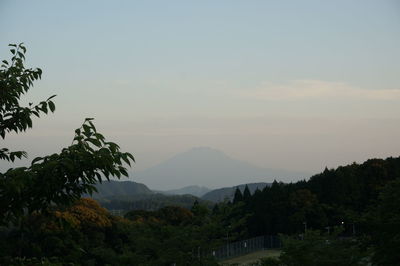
290	85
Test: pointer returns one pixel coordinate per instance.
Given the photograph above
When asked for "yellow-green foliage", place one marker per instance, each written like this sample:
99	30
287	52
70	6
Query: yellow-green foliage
85	213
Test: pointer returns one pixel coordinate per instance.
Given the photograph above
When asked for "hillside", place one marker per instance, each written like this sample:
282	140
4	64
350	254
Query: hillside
120	188
218	195
150	202
129	195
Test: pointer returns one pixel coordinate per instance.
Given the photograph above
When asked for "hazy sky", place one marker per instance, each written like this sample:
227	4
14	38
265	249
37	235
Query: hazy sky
297	85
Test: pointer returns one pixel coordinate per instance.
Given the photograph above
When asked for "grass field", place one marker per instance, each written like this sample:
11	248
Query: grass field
251	258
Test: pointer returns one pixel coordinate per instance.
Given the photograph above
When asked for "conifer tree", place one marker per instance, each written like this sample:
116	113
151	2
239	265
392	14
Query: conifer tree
246	193
238	196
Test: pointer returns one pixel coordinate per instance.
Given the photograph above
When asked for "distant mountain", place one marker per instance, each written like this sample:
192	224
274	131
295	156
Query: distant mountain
197	191
221	194
120	188
211	168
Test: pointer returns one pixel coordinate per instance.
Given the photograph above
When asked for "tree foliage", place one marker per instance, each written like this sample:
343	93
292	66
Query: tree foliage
15	81
316	248
384	224
85	213
246	193
237	197
60	178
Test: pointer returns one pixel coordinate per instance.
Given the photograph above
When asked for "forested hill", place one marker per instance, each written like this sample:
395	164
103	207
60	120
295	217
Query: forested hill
150	202
354	186
334	196
129	195
120	188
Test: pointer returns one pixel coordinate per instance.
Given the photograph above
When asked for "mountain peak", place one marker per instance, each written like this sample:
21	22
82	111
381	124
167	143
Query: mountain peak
201	150
205	166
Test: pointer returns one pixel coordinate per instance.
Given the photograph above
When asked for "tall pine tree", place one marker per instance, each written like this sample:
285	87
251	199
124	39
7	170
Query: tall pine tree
246	193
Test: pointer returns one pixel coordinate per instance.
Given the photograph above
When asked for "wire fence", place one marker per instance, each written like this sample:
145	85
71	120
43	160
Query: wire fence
117	212
242	247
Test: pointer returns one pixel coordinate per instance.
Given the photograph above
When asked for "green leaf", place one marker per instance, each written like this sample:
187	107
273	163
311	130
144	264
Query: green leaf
36	160
44	107
92	125
52	106
124	172
125	159
130	156
51	97
95	142
21	55
86	128
99	136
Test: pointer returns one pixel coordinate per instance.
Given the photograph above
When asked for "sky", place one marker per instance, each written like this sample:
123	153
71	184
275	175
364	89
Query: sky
296	85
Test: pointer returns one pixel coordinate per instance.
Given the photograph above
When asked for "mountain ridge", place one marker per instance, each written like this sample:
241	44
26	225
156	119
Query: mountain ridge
122	188
194	190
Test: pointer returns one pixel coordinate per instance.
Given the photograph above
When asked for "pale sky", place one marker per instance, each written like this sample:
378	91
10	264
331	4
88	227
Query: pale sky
296	85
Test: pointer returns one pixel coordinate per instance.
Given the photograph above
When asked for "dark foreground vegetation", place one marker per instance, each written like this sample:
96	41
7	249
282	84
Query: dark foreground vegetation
338	232
344	216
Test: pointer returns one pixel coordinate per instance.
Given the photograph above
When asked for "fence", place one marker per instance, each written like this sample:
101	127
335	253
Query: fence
117	212
238	248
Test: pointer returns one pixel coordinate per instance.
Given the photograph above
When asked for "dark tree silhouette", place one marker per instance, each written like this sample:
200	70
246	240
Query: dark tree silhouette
238	196
57	179
246	193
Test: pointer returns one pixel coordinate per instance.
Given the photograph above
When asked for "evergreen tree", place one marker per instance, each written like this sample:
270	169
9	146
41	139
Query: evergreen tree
238	196
246	194
384	223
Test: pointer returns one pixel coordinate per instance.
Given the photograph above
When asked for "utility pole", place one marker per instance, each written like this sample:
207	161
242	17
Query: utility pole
329	229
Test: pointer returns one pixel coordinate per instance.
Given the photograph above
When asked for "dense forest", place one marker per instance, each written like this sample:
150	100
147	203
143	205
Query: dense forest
334	197
354	202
